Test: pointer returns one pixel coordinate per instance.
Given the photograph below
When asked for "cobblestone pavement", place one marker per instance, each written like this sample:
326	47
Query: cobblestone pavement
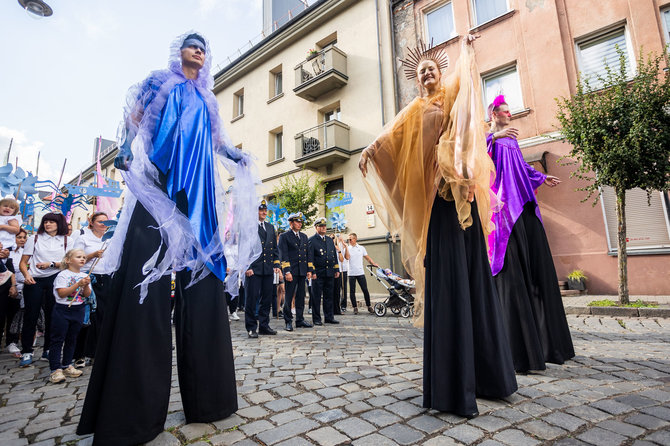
360	383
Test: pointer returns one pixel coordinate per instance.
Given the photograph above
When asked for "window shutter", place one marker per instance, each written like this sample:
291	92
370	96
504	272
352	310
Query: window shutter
646	226
594	54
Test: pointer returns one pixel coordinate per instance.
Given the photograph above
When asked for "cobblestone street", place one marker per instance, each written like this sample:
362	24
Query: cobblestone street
360	383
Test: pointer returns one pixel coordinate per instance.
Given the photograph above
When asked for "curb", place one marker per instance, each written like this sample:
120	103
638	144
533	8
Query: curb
619	311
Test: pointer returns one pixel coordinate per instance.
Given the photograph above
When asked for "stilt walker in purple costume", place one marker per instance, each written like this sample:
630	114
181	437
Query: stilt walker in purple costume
173	220
520	257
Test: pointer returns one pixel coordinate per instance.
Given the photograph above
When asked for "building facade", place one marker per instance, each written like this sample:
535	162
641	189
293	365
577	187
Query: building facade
294	109
534	51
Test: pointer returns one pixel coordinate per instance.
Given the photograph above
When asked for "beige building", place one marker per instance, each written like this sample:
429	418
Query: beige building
534	51
294	110
107	154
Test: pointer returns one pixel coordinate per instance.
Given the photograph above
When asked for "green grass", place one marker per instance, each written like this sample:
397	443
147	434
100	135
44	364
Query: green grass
610	303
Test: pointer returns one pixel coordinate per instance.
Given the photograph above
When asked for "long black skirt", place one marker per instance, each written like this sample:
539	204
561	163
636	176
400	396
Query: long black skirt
466	353
129	390
531	300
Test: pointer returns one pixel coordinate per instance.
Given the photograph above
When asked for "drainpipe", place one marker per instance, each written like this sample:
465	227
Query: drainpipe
394	56
379	60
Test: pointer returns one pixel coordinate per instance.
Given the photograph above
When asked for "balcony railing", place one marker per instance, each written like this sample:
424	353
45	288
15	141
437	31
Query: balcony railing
325	72
325	144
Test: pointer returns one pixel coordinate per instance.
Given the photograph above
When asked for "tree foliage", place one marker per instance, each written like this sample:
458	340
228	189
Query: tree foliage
620	136
300	193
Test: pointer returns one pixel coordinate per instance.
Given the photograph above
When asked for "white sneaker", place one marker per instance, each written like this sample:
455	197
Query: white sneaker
234	316
14	349
293	311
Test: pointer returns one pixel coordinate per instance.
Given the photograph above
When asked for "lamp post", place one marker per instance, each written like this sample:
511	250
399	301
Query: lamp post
36	8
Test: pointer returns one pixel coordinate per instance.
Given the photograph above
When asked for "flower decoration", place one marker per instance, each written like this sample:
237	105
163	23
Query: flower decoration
338	221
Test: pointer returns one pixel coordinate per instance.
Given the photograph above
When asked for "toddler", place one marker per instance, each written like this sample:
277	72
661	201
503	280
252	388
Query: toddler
71	286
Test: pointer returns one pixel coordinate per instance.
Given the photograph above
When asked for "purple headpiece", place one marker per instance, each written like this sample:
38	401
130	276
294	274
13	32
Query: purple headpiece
497	102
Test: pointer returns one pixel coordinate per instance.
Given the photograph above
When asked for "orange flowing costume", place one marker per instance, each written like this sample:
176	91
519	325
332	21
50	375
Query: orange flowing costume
437	144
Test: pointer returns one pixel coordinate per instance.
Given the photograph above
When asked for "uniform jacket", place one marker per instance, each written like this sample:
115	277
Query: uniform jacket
269	258
323	255
293	254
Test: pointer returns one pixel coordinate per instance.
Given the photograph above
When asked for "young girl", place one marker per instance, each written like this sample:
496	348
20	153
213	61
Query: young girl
70	288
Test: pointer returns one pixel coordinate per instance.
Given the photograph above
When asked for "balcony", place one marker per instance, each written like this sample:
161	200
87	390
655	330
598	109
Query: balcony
321	74
323	145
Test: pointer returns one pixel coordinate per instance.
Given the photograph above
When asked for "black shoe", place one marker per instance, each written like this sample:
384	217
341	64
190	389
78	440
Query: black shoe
289	326
253	334
470	416
280	314
267	331
303	324
343	309
333	321
318	323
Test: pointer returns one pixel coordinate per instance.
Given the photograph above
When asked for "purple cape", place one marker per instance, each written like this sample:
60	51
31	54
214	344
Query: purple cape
514	186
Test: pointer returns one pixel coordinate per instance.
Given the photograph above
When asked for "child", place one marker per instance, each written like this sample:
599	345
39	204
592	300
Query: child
71	286
10	223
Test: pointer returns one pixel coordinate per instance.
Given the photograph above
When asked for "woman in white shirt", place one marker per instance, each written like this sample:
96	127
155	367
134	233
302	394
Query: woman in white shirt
90	241
40	265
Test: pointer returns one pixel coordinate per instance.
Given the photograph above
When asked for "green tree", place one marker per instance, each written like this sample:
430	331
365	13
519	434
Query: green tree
300	193
620	136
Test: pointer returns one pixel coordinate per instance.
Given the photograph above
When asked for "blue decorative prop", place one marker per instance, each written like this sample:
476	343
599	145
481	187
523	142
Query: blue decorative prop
338	221
67	202
111	227
27	207
340	198
113	189
277	216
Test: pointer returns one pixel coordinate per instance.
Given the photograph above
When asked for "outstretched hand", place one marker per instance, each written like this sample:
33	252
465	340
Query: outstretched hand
469	38
123	159
552	181
363	163
507	132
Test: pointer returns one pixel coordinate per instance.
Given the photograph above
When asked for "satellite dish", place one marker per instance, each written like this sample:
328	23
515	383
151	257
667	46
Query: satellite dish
36	8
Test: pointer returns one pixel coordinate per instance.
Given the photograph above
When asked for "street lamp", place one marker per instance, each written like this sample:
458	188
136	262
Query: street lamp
36	8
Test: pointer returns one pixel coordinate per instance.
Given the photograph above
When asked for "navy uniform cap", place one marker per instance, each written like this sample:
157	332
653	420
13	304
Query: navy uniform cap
321	222
263	205
296	216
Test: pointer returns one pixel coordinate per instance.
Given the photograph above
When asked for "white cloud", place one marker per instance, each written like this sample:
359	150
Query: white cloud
230	8
26	150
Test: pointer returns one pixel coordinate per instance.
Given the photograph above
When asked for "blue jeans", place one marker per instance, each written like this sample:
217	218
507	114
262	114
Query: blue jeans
65	325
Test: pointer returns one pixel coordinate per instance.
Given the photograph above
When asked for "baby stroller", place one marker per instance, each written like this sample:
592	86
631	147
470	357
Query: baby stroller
400	300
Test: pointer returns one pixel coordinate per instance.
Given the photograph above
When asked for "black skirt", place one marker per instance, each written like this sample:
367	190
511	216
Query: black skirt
466	353
531	300
129	391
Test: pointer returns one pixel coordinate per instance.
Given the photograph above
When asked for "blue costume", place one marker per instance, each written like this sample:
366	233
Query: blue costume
176	217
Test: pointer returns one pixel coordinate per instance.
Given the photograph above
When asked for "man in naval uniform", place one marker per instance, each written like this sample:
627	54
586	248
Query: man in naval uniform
296	268
323	254
259	279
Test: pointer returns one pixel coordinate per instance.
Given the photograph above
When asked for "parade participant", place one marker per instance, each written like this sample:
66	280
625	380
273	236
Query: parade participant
343	259
71	287
429	176
259	278
296	268
322	253
39	265
15	306
90	241
521	260
357	273
175	218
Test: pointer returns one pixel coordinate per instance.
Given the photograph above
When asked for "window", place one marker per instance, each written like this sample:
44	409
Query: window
665	19
276	82
440	24
486	10
594	54
335	216
505	81
238	103
647	226
331	115
276	144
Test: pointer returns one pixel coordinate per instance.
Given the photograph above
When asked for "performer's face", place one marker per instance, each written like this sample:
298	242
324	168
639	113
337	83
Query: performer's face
21	239
193	57
502	117
428	74
99	223
262	213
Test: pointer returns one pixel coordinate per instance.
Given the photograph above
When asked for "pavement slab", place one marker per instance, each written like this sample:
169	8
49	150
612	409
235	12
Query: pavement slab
360	383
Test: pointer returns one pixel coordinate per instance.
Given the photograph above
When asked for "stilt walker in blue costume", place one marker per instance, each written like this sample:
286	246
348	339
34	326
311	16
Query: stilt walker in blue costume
176	217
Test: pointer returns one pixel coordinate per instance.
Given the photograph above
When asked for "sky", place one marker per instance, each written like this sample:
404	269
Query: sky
63	79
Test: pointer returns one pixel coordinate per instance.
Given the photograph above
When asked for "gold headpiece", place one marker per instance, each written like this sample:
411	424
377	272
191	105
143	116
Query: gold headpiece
421	53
